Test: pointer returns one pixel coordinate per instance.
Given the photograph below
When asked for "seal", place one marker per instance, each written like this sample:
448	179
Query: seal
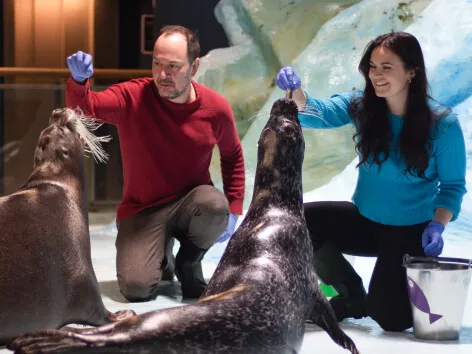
263	290
47	279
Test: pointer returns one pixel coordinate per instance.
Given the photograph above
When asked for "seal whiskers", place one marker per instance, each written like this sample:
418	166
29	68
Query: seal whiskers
85	128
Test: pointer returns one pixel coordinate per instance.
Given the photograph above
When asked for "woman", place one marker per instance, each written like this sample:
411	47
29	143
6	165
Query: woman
410	185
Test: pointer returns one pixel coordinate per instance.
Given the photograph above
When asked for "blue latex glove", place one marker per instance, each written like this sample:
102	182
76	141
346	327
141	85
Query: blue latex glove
80	66
287	79
432	240
229	229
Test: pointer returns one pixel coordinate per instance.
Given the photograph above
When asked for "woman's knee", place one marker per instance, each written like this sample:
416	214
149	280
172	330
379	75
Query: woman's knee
392	324
390	318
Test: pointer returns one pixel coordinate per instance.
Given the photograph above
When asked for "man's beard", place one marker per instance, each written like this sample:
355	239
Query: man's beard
177	93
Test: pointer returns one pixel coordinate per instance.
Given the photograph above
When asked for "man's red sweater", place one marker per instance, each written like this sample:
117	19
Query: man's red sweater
166	147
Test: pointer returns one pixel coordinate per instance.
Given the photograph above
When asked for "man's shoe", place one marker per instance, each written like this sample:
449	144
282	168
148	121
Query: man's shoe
168	263
169	268
188	268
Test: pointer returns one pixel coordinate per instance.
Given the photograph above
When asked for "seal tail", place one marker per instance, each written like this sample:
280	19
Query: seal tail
324	317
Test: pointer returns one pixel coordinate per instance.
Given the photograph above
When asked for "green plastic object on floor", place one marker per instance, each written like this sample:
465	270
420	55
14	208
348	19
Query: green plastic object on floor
328	290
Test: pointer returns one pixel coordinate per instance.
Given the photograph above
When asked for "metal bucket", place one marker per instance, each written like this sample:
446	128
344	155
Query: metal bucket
438	289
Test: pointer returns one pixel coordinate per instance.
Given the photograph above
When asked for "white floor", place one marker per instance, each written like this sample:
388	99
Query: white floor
367	335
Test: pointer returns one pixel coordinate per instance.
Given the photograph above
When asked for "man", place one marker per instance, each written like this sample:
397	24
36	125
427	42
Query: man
168	126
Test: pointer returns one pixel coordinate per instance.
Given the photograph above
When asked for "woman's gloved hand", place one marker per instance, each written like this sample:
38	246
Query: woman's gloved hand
287	79
432	240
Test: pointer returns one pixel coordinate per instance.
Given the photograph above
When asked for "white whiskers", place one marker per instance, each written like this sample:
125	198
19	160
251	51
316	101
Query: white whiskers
303	109
310	111
262	114
85	127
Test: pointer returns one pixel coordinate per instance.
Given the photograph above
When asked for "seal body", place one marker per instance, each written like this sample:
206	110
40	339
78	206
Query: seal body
263	290
46	278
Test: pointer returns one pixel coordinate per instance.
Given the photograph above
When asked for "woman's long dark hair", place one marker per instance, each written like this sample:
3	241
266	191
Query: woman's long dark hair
371	113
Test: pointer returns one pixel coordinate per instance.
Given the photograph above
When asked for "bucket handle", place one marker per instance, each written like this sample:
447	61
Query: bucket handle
407	259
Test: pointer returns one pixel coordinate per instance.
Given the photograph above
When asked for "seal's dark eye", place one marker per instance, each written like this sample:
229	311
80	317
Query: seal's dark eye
44	142
70	125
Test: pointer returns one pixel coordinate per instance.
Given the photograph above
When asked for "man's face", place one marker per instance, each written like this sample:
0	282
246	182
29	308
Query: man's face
171	70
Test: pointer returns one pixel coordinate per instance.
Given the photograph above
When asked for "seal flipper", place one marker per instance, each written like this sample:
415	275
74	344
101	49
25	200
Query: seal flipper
59	341
323	316
119	315
51	341
88	297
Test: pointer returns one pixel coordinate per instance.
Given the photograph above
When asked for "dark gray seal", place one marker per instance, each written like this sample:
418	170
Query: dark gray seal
46	278
263	290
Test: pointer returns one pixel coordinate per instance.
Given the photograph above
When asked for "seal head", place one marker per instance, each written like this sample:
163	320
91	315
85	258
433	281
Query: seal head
281	150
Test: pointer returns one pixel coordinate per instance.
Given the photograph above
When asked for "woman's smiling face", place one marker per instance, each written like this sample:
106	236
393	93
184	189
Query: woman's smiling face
389	76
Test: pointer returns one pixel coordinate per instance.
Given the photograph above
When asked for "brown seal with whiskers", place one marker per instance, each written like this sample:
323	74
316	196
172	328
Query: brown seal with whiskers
46	278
